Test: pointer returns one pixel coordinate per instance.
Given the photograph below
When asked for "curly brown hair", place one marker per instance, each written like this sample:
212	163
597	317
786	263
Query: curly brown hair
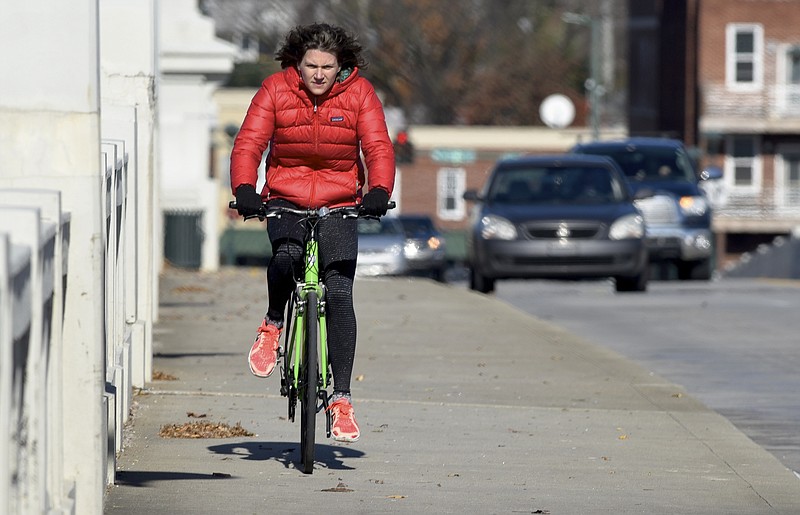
320	36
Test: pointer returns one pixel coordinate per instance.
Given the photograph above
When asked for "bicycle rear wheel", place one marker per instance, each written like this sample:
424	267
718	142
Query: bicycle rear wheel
308	388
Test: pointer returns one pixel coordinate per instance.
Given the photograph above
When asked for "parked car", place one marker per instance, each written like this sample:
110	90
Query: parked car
424	246
380	247
676	211
556	217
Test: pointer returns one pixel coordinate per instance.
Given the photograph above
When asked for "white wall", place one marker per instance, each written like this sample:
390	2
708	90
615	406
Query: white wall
49	111
129	64
79	78
192	63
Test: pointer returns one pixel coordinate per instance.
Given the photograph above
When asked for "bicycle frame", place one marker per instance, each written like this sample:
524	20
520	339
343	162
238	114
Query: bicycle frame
310	283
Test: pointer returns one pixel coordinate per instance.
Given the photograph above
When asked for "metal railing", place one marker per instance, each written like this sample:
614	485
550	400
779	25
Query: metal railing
777	101
34	238
764	204
118	333
34	277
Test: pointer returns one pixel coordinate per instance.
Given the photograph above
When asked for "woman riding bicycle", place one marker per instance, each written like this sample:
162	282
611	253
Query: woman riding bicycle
317	116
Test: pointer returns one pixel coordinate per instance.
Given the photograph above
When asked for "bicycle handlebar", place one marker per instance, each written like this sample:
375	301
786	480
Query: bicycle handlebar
275	212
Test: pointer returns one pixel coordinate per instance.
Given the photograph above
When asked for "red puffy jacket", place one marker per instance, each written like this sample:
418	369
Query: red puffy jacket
315	142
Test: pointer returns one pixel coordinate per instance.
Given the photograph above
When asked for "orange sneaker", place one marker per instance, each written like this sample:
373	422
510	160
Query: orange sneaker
344	427
264	353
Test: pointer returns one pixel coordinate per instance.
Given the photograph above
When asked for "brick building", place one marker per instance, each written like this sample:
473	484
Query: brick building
724	76
748	62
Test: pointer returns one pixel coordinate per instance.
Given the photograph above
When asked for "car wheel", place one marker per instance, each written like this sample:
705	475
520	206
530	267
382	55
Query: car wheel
480	283
694	270
637	283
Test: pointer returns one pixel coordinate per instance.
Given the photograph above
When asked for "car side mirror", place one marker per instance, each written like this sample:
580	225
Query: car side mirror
472	196
711	173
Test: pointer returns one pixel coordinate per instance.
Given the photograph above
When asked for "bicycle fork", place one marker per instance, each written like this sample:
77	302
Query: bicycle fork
311	283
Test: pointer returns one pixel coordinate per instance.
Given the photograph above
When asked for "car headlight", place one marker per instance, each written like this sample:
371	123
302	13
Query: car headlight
434	243
497	228
626	228
693	205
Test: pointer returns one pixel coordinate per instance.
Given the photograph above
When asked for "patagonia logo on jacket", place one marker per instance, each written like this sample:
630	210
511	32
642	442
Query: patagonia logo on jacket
337	118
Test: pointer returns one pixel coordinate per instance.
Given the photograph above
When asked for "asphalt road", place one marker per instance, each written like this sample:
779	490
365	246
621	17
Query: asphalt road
732	343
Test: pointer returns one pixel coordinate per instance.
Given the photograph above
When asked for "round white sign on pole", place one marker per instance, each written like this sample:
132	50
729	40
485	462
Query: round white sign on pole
557	111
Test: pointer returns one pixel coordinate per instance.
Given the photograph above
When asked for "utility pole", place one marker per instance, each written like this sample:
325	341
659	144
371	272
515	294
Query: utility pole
593	86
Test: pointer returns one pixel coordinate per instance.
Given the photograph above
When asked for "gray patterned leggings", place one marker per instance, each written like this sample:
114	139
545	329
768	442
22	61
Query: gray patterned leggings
338	250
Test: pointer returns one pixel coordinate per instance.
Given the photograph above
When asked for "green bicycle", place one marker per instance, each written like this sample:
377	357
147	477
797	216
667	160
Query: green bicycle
305	371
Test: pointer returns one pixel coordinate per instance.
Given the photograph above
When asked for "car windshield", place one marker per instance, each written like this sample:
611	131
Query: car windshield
369	226
417	227
556	185
650	164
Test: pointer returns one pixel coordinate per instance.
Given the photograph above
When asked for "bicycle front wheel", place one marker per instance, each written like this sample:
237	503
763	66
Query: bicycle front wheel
309	379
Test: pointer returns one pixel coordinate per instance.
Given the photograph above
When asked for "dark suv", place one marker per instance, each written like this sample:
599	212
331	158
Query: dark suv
676	212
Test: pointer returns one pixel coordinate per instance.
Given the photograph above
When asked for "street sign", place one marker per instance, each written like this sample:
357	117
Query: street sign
453	155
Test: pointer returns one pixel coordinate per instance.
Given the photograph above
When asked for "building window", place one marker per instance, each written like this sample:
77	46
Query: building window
787	177
793	65
793	171
744	56
450	185
788	101
743	169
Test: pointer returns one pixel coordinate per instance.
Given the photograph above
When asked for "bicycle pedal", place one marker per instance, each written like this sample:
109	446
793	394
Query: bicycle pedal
328	420
284	384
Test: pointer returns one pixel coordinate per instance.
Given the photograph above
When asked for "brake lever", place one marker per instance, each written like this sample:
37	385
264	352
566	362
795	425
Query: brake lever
260	215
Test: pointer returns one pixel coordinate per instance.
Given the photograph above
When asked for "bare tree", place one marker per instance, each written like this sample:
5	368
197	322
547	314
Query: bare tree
444	61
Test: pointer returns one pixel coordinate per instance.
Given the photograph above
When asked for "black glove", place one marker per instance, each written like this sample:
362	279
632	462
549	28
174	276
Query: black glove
375	202
248	201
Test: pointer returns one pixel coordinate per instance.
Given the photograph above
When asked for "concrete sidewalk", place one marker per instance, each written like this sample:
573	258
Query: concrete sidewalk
466	405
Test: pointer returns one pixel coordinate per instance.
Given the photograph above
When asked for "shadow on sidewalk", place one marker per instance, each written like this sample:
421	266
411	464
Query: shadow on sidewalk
147	478
288	454
177	355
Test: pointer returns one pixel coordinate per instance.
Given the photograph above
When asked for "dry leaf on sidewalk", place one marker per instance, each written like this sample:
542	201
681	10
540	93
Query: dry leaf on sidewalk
203	430
163	376
341	487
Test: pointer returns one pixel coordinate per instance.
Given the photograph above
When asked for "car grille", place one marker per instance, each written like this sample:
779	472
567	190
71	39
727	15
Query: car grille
561	230
559	261
659	209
